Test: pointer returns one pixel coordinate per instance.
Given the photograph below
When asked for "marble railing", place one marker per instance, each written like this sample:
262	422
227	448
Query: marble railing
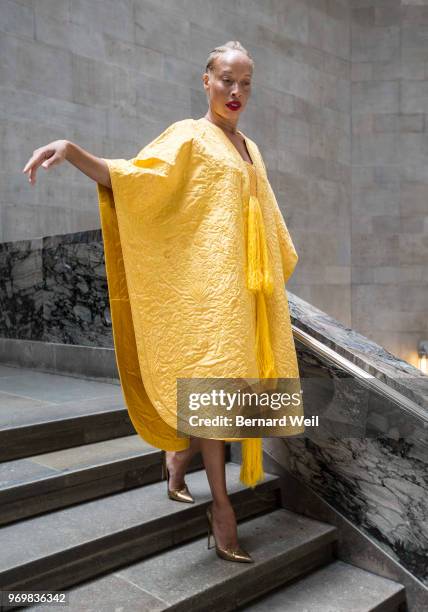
54	289
379	479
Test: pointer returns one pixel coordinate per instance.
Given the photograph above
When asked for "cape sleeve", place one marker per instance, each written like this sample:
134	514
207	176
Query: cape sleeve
146	183
143	189
289	255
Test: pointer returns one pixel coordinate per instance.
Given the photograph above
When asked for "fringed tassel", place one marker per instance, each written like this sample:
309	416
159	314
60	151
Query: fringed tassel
255	276
260	276
252	462
260	281
265	356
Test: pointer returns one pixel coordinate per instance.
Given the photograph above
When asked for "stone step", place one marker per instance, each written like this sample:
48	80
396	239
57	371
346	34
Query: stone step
42	412
336	587
189	577
49	481
64	547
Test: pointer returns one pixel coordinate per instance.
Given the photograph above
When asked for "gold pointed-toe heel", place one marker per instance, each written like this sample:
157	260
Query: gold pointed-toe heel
181	495
230	554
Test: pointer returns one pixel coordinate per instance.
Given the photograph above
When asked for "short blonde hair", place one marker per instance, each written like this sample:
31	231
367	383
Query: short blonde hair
231	44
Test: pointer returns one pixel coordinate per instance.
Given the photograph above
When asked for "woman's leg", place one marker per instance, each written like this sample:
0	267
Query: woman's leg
224	519
177	462
213	454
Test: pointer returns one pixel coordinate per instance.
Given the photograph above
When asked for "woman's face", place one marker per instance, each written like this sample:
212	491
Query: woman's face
230	81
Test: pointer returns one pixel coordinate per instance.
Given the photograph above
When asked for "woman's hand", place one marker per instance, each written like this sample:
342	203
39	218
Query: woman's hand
60	150
51	154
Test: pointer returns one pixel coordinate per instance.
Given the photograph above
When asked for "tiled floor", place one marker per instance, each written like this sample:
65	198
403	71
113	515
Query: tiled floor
30	396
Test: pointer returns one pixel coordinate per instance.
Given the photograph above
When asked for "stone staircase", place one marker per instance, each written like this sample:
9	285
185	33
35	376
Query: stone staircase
83	509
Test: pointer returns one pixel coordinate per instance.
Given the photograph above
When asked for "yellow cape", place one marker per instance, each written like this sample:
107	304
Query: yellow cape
175	234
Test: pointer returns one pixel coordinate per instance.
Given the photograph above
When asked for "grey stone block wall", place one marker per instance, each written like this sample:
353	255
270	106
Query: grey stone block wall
389	282
112	74
329	111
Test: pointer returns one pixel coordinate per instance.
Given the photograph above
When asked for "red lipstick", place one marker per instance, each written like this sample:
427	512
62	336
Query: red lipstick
234	105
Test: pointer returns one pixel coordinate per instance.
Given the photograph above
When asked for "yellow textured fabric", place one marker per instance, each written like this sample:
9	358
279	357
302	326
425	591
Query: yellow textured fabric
259	279
186	226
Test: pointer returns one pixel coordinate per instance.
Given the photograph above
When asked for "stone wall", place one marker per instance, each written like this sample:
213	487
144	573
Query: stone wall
389	173
338	110
112	74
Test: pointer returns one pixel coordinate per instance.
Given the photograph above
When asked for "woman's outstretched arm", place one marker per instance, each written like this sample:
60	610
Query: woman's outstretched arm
58	151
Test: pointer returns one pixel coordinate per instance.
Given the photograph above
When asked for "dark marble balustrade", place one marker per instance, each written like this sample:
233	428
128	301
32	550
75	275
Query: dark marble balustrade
54	289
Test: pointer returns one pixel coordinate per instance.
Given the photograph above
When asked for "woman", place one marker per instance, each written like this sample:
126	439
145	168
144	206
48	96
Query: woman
197	254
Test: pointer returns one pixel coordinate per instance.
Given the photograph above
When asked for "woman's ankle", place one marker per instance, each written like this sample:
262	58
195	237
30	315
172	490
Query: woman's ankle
177	466
222	504
225	520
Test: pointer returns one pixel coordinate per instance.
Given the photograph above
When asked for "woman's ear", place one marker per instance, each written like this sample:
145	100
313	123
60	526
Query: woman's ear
205	79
